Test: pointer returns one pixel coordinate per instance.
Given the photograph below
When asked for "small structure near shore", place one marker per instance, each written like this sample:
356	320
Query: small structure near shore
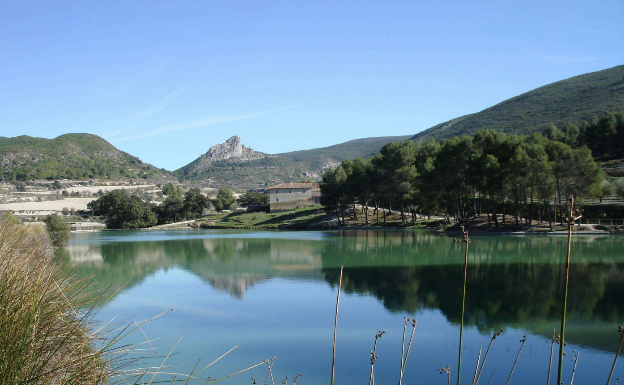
290	196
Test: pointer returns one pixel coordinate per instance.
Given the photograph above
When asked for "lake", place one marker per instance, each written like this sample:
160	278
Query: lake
274	293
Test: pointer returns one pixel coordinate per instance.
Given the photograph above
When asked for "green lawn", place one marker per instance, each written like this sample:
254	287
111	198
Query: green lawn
296	219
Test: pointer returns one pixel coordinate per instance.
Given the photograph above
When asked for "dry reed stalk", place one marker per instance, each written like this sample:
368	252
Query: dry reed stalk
576	358
552	345
336	327
446	369
487	352
474	378
491	377
617	354
466	241
374	356
573	216
270	373
409	345
522	341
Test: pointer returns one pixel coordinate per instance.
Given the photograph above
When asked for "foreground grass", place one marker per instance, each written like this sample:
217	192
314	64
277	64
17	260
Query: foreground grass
44	338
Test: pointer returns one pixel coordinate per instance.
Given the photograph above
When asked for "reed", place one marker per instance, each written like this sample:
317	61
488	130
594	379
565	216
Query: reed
617	354
374	357
44	336
495	335
474	378
552	345
491	377
336	327
522	341
446	369
466	241
576	358
409	345
573	216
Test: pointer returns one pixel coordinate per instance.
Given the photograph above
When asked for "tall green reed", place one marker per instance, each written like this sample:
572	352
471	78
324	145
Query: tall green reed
465	240
573	216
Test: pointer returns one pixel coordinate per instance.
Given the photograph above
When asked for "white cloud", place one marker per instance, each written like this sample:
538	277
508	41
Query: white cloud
208	121
137	116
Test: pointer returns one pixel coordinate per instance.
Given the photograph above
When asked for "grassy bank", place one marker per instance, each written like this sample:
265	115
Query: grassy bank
303	218
313	217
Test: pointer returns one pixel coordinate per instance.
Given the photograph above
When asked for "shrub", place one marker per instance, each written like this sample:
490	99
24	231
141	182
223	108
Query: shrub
58	230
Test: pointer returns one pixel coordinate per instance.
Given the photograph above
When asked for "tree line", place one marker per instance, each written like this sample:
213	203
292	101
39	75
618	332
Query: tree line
123	210
522	177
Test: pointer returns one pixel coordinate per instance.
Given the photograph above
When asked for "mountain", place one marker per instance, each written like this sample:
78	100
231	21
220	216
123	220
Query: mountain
573	100
231	151
233	165
332	155
71	156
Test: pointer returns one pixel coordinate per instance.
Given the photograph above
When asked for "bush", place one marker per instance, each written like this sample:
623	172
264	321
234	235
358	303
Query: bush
58	230
124	211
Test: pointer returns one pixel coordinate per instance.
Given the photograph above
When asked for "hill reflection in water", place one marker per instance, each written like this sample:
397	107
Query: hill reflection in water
512	281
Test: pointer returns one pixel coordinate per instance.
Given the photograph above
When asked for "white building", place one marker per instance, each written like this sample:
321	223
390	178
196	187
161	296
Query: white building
290	196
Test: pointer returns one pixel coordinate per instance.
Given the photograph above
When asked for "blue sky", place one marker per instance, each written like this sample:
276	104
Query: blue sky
165	80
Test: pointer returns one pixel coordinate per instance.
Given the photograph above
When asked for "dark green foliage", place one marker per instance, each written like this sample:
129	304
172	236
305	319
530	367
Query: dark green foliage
251	198
334	192
462	177
619	187
58	230
124	211
604	136
194	204
224	200
573	100
71	156
171	210
169	189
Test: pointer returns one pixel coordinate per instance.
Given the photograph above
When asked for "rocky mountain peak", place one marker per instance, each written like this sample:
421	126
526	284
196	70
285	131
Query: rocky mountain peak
232	149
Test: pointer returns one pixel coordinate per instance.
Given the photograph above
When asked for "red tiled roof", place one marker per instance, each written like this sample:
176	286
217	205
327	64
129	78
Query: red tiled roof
294	185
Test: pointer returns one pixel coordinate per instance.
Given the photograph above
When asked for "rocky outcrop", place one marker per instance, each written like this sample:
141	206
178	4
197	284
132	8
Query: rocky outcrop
232	149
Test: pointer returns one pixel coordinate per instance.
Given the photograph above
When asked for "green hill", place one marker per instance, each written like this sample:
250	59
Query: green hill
357	148
71	156
573	100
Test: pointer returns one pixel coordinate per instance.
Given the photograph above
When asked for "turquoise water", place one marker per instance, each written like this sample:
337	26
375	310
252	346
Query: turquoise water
274	292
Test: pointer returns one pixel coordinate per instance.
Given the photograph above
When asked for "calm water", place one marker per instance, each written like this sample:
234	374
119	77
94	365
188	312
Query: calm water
273	293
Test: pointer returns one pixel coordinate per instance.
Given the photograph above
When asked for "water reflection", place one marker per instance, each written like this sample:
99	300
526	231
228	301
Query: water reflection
512	281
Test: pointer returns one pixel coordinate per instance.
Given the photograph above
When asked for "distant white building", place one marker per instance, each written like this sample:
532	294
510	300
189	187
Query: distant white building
290	196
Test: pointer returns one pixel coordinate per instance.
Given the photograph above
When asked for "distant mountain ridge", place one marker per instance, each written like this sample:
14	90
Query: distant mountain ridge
231	164
574	100
71	156
232	150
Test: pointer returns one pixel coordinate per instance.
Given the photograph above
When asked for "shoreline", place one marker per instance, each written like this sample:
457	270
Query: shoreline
359	228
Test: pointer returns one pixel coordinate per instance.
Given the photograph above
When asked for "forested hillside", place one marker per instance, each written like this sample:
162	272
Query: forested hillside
357	148
488	173
572	101
71	156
